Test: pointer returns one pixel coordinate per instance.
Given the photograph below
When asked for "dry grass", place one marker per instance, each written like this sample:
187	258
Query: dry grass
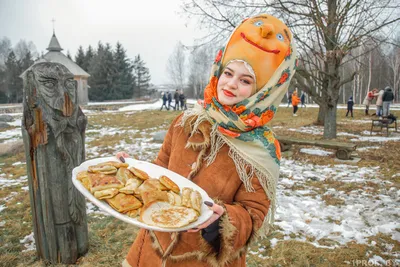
110	239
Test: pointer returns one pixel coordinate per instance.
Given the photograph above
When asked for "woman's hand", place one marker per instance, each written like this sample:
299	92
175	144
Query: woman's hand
121	155
218	211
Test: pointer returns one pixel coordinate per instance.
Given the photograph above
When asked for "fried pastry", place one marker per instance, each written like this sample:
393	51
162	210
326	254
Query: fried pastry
174	199
139	173
99	181
163	214
123	174
123	203
130	186
151	184
195	200
108	193
186	191
150	196
106	169
133	213
81	175
116	164
168	183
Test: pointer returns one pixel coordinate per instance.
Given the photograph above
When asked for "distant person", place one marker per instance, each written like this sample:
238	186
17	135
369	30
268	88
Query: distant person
289	99
182	100
176	99
387	98
303	100
368	99
379	102
295	102
169	97
164	101
350	104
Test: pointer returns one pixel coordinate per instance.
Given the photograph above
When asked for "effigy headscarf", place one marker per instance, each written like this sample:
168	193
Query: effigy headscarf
266	45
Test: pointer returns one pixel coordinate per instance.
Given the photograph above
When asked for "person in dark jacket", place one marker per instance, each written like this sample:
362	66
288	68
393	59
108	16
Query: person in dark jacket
182	99
350	104
176	99
387	99
303	100
169	97
164	101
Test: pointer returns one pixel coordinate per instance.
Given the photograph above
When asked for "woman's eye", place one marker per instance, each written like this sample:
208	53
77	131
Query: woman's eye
258	23
280	37
246	81
227	73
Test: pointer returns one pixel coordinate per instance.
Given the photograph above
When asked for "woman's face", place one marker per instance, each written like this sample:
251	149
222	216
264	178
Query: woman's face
235	84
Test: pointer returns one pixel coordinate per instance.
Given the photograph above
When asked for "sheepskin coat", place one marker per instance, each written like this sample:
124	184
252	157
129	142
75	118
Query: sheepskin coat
244	211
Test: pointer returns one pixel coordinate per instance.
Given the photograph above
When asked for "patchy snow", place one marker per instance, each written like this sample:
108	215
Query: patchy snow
362	214
11	135
29	242
365	206
7	182
315	151
16	123
155	105
366	148
378	139
315	130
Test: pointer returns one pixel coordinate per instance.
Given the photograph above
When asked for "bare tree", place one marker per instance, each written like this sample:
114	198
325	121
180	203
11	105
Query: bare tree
393	60
200	64
176	66
23	47
326	31
5	49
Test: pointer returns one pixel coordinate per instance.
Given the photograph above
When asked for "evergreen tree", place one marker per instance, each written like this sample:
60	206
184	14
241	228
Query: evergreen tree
123	80
142	77
102	69
88	58
80	57
13	82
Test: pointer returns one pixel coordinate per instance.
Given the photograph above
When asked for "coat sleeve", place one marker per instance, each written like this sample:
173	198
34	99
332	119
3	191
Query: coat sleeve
241	220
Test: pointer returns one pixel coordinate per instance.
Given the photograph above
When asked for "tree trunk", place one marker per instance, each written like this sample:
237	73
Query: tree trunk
330	123
321	115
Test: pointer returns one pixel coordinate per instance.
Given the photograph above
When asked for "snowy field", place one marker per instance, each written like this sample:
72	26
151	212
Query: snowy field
302	214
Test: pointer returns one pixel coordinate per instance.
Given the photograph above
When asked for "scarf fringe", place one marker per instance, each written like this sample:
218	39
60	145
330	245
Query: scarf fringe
245	167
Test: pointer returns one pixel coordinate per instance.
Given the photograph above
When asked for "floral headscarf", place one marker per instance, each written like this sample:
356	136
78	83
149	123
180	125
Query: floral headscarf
253	145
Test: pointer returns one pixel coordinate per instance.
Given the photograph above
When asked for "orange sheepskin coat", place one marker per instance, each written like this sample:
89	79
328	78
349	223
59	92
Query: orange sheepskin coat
244	211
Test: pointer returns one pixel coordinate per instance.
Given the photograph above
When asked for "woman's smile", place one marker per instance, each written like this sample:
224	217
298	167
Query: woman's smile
235	84
228	93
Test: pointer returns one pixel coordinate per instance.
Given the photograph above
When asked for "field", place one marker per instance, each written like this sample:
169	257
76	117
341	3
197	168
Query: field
331	213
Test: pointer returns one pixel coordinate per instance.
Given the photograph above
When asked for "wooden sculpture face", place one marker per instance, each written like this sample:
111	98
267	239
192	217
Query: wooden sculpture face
56	87
263	42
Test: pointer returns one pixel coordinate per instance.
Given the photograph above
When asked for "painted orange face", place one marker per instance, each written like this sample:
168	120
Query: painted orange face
263	42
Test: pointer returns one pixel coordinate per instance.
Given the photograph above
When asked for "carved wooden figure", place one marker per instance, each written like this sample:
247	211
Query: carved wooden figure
53	130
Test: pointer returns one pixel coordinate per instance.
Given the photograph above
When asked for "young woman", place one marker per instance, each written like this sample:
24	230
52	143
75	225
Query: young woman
223	145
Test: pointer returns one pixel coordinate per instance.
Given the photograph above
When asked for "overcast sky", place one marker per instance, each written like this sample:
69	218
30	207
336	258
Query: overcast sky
149	27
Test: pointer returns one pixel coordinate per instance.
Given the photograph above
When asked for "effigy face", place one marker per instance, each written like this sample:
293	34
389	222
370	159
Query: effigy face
56	87
263	42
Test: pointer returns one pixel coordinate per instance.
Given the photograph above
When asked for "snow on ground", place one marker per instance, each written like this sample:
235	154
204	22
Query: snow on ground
368	209
315	151
362	214
29	242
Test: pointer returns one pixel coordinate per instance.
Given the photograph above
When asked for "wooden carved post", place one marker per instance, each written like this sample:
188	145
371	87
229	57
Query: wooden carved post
54	137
